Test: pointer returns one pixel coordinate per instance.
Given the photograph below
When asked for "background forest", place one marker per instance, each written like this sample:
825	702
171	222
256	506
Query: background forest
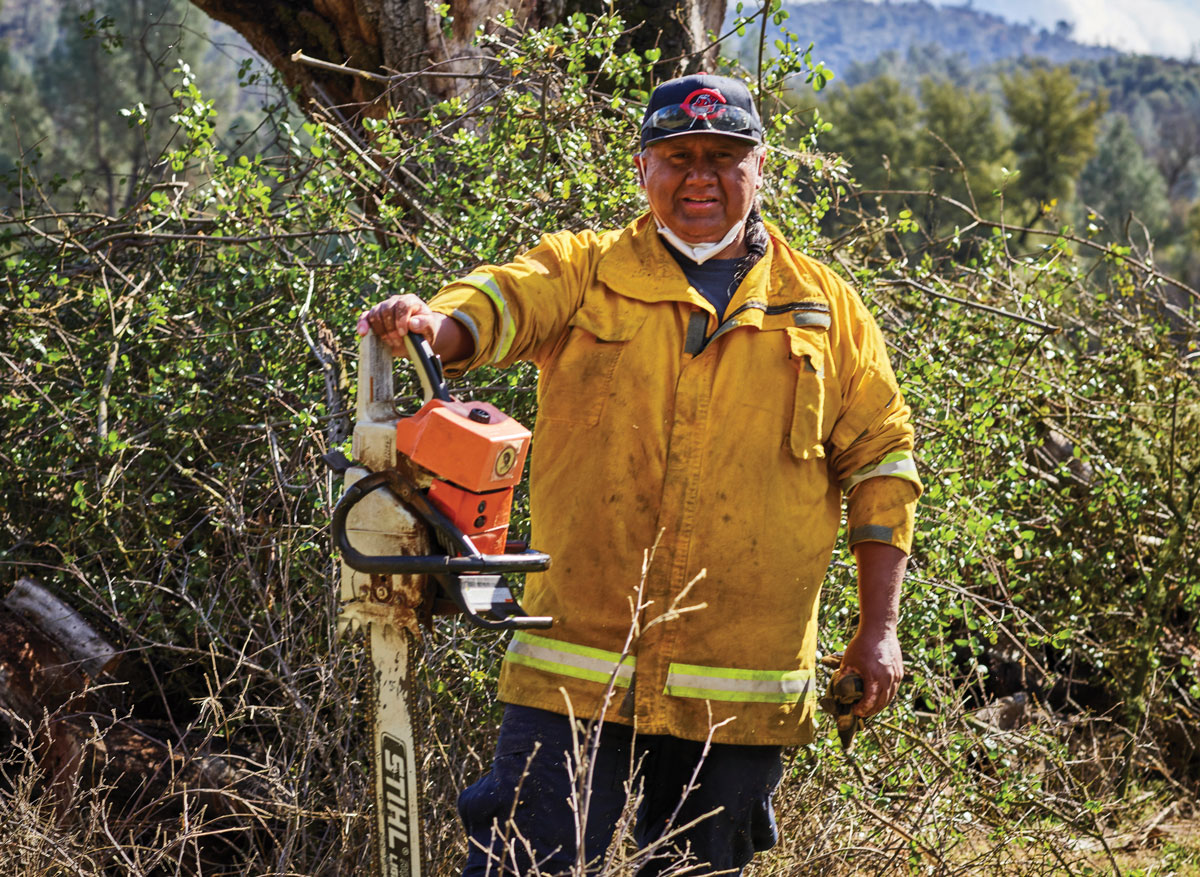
188	234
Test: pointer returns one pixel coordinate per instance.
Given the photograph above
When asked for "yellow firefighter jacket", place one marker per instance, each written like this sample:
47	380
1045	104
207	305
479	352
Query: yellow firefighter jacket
677	446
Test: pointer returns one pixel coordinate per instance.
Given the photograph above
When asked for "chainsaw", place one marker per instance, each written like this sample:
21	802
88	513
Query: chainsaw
422	528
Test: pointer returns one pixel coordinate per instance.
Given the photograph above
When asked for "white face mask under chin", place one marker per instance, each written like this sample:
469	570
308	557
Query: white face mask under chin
699	253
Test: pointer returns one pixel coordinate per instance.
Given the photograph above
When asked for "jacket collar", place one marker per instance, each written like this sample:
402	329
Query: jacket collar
638	266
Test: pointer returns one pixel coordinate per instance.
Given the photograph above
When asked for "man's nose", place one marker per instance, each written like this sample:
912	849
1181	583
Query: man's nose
701	170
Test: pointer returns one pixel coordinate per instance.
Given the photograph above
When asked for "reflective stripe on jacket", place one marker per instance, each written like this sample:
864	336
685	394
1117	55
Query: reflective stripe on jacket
674	447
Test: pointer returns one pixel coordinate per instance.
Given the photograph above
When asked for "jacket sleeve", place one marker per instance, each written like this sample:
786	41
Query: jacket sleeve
520	310
872	438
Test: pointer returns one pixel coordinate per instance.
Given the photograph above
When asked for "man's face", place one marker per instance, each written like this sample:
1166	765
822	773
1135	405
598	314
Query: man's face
699	185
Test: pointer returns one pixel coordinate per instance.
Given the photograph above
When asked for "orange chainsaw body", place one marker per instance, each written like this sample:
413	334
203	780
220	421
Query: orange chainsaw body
477	454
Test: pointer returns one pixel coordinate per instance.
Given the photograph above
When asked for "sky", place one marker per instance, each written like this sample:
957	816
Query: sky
1155	27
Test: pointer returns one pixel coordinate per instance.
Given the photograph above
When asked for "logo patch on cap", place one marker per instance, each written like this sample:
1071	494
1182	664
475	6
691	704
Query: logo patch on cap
704	103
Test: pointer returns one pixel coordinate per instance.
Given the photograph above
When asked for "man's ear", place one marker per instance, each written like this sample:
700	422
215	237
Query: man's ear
762	160
641	169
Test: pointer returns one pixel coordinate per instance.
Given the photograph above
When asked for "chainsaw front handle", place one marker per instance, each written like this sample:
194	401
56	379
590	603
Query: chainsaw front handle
402	564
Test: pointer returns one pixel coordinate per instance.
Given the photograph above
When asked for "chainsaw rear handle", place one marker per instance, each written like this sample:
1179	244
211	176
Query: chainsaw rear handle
429	368
376	397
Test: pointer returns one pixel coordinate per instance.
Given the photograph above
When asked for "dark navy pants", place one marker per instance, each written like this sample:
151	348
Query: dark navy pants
739	779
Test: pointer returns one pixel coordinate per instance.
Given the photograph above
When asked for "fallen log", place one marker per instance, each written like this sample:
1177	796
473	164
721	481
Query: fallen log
57	678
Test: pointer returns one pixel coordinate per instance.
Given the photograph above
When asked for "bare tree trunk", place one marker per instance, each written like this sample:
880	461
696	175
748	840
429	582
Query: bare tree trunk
680	28
400	36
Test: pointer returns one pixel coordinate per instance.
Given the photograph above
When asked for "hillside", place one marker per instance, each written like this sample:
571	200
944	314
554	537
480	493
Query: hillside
851	32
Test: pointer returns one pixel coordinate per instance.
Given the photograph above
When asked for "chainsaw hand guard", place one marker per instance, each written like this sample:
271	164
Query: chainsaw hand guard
449	571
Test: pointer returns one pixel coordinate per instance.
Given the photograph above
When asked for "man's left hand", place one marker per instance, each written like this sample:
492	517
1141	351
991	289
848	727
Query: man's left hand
876	658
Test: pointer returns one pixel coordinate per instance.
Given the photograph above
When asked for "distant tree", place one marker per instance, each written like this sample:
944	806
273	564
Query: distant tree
874	127
1176	148
1055	133
1120	182
1190	259
948	142
916	63
963	147
23	122
83	114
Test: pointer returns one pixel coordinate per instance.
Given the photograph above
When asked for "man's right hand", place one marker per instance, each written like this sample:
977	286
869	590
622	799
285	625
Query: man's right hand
395	317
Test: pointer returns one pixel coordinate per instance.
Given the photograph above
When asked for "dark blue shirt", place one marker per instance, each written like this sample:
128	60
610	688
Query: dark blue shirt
714	279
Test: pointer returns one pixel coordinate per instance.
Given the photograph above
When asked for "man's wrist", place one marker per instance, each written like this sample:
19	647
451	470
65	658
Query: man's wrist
451	340
878	628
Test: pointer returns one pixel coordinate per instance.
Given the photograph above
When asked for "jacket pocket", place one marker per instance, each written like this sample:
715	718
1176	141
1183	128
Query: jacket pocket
806	438
577	383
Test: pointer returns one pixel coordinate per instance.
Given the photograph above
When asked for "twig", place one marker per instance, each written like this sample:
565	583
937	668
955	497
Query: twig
904	281
300	58
1142	266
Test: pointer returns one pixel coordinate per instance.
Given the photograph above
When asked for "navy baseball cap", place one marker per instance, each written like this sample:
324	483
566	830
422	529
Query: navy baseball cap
701	104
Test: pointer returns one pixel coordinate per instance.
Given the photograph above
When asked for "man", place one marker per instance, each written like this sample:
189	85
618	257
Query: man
706	394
